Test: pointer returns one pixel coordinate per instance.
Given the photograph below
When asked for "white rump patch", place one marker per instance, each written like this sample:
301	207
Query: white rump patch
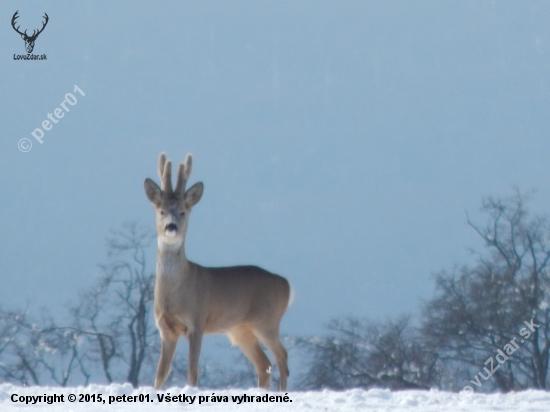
291	298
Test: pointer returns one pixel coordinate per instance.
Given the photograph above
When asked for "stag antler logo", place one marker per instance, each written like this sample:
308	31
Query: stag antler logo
29	40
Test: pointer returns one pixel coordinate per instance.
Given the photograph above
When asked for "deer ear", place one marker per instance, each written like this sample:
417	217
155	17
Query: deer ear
152	191
194	194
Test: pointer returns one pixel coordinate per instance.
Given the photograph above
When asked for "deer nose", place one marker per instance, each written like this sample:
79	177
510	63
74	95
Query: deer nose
171	227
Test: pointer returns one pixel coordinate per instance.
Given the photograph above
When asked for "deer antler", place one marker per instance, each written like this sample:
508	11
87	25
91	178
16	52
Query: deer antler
162	161
184	171
34	35
165	174
15	16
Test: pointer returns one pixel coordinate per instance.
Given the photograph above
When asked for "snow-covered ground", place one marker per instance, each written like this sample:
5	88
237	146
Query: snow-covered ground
228	400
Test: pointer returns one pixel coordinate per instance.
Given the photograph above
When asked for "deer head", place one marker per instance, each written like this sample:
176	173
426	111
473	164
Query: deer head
172	206
29	40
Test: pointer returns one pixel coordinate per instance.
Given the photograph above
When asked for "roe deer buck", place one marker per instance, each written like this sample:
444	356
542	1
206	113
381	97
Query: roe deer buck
244	302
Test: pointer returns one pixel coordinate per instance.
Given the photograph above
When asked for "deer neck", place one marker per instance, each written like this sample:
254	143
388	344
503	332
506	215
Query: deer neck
171	260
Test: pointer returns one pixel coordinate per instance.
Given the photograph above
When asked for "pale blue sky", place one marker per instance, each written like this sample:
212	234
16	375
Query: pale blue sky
340	143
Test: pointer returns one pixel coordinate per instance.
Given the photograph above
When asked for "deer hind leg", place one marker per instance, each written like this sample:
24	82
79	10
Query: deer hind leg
168	347
272	342
248	343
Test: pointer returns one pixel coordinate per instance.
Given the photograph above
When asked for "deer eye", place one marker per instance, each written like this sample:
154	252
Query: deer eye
162	212
182	214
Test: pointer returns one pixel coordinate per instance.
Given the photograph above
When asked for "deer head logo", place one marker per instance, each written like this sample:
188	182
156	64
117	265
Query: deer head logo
29	40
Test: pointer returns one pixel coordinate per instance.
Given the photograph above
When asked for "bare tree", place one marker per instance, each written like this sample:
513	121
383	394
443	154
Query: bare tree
366	354
17	360
98	332
479	310
35	352
115	316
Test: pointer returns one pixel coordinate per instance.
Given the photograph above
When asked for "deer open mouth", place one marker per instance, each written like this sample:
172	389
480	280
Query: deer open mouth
171	229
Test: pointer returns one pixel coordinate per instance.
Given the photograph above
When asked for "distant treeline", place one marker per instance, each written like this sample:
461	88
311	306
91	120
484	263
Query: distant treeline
487	328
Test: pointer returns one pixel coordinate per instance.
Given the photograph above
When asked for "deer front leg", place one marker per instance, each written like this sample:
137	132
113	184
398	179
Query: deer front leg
168	347
195	342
